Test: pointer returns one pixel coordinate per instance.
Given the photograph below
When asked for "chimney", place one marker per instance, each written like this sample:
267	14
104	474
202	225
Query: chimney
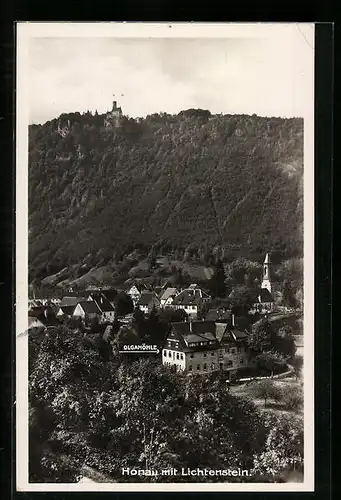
190	326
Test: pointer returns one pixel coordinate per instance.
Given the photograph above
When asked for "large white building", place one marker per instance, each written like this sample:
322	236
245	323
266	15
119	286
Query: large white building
200	347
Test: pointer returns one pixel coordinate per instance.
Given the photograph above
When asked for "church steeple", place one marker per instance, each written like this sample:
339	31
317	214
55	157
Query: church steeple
266	280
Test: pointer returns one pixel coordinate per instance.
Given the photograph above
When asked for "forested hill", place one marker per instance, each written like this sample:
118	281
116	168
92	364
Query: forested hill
192	180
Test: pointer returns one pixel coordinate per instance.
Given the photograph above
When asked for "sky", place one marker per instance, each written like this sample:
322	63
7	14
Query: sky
267	75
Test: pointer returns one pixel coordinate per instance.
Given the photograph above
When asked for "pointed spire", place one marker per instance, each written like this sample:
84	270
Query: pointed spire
267	259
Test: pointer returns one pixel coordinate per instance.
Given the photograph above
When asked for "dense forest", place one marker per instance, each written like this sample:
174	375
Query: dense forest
190	182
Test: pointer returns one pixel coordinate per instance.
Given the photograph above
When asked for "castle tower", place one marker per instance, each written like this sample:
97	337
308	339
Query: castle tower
113	117
266	280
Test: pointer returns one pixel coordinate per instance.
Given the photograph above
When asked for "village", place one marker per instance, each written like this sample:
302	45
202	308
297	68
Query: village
201	337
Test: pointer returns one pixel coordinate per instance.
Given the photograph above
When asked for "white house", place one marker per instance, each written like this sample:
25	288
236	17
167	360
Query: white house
87	310
105	307
147	301
190	300
205	346
167	297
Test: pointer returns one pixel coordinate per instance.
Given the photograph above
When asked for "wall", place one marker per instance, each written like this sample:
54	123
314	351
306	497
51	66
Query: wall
173	359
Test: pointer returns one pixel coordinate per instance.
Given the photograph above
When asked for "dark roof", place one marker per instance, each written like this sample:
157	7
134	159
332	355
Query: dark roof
71	300
196	327
265	295
188	297
146	298
38	311
102	302
89	307
239	334
219	314
67	309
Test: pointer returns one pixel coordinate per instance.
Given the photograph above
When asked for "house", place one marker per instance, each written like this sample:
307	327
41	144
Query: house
135	292
65	312
206	346
104	305
167	296
72	299
41	318
87	310
147	301
221	314
233	351
190	300
192	346
34	322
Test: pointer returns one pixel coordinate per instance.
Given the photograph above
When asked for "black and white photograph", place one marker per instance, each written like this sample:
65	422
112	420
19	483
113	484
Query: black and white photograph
165	257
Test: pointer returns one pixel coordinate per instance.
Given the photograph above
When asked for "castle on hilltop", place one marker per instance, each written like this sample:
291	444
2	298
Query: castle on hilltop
113	118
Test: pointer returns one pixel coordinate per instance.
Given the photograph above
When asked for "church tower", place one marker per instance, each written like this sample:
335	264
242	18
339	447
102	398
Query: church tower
266	281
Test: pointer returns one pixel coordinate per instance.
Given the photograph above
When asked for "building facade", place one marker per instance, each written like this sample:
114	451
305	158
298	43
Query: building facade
200	347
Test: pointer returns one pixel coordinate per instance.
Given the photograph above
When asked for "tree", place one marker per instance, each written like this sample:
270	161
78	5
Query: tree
270	361
283	452
242	298
265	389
262	337
289	298
285	342
217	281
151	259
123	304
94	324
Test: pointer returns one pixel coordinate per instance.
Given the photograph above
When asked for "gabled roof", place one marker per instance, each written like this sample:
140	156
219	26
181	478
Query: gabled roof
102	302
67	309
189	296
196	327
169	292
35	322
71	300
146	298
265	296
221	331
89	307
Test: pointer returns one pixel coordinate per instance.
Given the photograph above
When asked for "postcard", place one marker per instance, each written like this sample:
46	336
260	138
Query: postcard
165	257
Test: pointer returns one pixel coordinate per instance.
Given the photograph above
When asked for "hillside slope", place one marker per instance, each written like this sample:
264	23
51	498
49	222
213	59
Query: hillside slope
192	180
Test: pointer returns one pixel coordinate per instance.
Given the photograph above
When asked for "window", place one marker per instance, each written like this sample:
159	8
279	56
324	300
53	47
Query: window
170	354
233	350
212	353
165	352
229	363
191	355
241	361
213	366
190	368
205	366
205	354
198	367
177	356
182	356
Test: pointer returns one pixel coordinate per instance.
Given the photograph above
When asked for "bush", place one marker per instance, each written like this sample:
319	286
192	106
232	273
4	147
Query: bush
292	398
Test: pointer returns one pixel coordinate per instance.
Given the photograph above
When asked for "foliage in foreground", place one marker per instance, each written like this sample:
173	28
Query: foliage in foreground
111	413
